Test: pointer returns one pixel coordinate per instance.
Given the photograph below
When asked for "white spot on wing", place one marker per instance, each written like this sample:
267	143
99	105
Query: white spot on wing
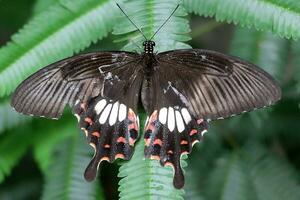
78	117
122	112
114	114
147	120
163	115
203	132
171	119
105	114
186	115
179	122
76	102
99	106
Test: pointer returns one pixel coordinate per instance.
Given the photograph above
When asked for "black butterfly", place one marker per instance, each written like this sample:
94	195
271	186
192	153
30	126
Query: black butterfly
180	90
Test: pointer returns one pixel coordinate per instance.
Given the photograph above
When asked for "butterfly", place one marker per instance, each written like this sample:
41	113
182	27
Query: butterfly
180	90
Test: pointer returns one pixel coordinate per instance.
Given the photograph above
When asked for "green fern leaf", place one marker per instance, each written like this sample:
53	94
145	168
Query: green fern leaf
42	5
263	49
295	71
46	141
10	118
64	179
200	164
146	179
272	177
149	16
279	16
229	180
13	145
56	33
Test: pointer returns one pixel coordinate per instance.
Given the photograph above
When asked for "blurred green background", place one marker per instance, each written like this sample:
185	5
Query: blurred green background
252	156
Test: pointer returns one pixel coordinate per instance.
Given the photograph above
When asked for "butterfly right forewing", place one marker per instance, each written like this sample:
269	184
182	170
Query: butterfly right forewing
219	86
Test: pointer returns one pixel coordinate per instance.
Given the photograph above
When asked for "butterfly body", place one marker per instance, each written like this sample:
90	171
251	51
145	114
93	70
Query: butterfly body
180	90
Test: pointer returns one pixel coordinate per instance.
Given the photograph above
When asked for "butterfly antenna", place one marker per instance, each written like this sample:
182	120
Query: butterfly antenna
165	21
132	22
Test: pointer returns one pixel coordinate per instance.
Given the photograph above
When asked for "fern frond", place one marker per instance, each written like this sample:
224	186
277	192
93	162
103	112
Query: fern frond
272	177
295	62
64	179
229	180
10	118
45	141
56	33
149	16
146	179
280	17
13	146
200	164
263	49
42	5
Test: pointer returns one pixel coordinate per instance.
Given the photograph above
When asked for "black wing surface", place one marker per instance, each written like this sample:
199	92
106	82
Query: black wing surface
110	120
190	87
216	85
46	92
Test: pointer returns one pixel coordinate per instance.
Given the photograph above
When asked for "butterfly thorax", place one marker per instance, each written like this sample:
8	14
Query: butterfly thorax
149	60
148	46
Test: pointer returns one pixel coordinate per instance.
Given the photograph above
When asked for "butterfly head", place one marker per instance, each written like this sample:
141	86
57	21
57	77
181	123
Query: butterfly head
148	46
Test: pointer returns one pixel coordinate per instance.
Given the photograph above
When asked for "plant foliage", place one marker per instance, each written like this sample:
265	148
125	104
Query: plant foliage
250	157
279	16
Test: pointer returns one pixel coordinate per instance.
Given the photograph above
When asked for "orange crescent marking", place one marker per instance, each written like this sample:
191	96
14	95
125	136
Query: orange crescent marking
131	142
170	152
157	141
97	134
169	164
147	142
105	158
88	120
154	157
183	142
119	155
193	132
121	140
107	146
199	121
